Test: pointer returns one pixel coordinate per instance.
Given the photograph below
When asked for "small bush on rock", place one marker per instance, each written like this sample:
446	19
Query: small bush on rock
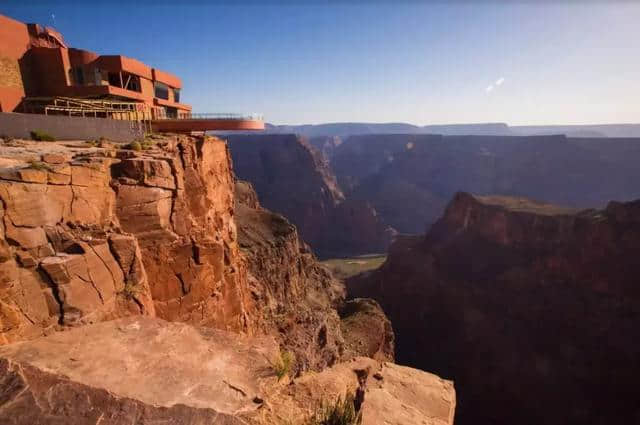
41	136
39	165
130	289
134	146
341	412
282	364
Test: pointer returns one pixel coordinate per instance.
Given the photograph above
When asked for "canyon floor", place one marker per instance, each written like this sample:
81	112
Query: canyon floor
344	268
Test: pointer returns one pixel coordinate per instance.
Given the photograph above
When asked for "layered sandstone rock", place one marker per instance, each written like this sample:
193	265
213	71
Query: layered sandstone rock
367	330
529	307
90	234
147	371
95	234
297	299
293	180
409	179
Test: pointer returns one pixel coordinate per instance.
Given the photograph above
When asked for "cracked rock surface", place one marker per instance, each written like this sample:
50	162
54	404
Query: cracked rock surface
90	234
151	371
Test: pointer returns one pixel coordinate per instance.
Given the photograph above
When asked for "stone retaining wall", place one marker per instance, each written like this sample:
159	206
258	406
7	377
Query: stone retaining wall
68	128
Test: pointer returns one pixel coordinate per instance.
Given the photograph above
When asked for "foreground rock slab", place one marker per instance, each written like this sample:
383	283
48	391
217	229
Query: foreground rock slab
143	370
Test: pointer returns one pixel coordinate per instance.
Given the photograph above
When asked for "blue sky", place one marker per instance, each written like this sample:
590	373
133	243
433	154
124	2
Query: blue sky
423	63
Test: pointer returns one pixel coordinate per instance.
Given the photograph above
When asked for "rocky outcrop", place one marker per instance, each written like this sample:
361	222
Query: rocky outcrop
325	145
291	179
392	172
529	307
105	243
367	330
297	298
152	372
91	234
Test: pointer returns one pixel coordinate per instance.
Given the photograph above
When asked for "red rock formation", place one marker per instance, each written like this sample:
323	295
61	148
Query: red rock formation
293	180
146	371
530	308
409	179
95	234
297	298
179	205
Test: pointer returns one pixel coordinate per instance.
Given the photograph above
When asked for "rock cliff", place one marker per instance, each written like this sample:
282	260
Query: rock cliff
178	295
531	308
292	179
92	234
392	172
297	298
146	371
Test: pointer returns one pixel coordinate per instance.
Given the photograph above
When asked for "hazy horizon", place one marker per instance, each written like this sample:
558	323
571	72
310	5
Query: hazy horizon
425	64
558	124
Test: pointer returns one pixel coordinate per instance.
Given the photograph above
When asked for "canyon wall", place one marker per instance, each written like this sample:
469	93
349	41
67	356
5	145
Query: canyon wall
531	308
179	296
92	234
298	299
410	178
293	180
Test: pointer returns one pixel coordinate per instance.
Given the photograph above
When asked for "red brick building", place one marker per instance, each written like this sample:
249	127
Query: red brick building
39	73
36	64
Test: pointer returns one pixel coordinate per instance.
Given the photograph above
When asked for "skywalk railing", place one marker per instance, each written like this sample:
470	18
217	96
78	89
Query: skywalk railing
214	116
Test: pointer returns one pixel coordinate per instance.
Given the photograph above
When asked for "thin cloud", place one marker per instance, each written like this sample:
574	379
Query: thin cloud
489	88
499	81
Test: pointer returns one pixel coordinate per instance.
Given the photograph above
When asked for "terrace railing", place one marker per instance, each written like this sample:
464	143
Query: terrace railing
213	116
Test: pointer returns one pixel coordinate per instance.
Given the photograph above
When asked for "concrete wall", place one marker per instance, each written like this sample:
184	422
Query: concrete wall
68	128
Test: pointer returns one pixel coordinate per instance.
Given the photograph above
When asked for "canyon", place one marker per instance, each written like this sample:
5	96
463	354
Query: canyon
530	307
122	271
293	179
393	172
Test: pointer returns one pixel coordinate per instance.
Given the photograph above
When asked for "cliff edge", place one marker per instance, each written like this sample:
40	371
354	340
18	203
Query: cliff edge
529	307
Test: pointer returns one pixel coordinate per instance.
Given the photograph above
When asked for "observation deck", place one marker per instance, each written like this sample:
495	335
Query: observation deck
188	122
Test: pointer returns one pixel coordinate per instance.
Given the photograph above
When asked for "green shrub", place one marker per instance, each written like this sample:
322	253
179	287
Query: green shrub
140	145
147	144
134	146
41	136
282	364
39	165
130	288
341	412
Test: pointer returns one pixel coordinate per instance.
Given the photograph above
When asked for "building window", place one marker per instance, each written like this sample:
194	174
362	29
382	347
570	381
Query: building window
114	79
97	77
172	113
132	82
176	95
161	90
77	76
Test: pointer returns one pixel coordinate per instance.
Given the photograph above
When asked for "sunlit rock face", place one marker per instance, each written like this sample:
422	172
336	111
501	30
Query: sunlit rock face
530	308
409	179
176	295
298	300
91	234
145	370
292	179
